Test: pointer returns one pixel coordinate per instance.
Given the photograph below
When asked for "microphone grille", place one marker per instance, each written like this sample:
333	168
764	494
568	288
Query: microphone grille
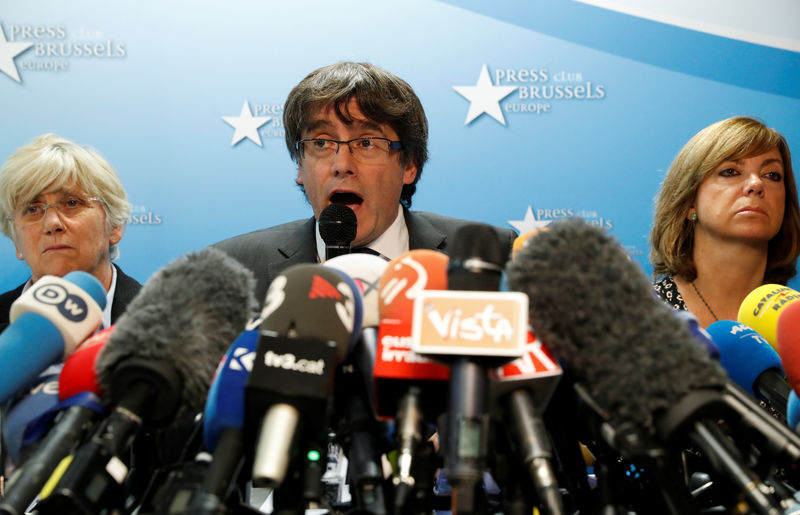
337	225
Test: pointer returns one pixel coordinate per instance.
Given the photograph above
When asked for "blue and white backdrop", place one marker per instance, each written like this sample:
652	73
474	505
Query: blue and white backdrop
538	109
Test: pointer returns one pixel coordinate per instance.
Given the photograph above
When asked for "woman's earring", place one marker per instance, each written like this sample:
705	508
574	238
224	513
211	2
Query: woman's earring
693	217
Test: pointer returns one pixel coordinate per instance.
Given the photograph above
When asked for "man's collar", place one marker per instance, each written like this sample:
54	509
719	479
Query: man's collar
392	243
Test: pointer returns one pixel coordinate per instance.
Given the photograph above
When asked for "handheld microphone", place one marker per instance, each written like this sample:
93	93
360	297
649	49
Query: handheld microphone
763	306
357	426
74	416
788	336
472	332
701	336
409	388
223	426
680	391
308	319
56	313
156	367
337	227
752	363
522	389
793	410
397	367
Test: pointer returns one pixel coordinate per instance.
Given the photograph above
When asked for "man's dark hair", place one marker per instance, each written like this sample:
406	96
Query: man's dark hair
382	98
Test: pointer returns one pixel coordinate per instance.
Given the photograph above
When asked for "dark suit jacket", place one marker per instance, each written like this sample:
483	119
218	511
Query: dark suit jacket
127	288
268	252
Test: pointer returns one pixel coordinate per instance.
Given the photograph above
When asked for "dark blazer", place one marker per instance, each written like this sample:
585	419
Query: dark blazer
126	290
268	252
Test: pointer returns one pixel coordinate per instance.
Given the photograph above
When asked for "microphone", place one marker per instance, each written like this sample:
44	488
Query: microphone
309	315
793	410
223	427
156	368
752	363
472	329
680	391
522	389
397	367
409	388
788	337
56	313
77	412
357	426
761	308
701	336
337	227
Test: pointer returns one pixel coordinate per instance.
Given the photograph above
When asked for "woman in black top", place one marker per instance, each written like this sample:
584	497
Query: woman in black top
726	219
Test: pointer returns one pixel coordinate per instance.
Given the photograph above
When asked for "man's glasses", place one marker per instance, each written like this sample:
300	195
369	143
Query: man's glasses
364	150
70	206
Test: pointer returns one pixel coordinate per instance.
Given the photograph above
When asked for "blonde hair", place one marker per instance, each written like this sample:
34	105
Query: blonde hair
52	162
672	236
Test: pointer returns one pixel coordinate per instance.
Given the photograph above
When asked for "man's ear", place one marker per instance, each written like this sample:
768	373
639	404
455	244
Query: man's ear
409	173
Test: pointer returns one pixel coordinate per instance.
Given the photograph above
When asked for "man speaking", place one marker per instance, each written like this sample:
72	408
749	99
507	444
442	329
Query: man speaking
359	137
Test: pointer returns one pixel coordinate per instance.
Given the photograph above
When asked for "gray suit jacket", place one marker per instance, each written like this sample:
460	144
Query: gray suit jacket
268	252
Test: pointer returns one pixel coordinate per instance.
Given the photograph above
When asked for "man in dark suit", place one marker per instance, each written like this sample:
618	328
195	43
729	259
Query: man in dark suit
359	137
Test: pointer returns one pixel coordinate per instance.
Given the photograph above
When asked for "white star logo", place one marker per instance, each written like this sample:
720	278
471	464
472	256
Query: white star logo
246	125
484	97
8	51
529	223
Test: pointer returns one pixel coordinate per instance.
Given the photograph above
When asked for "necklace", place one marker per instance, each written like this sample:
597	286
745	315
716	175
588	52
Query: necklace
704	302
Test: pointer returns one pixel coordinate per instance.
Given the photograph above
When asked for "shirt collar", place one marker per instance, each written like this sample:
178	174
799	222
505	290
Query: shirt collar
392	243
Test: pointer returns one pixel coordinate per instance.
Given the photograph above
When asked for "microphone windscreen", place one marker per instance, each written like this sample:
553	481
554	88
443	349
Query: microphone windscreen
788	336
366	270
396	365
225	401
476	259
522	240
743	353
595	309
313	301
185	316
793	411
78	373
337	225
701	336
54	314
762	306
405	276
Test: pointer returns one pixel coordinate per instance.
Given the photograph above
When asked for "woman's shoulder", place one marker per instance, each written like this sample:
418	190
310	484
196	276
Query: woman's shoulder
667	290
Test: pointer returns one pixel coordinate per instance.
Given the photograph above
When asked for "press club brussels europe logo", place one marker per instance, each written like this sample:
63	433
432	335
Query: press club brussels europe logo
27	48
536	90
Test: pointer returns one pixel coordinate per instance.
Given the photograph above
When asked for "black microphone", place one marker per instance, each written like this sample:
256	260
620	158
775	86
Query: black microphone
475	265
595	309
337	227
309	317
156	368
357	426
521	390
